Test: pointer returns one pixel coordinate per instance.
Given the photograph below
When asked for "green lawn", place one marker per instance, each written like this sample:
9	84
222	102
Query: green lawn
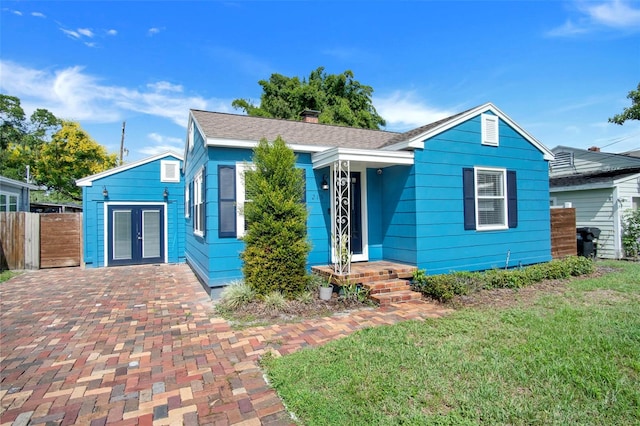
569	359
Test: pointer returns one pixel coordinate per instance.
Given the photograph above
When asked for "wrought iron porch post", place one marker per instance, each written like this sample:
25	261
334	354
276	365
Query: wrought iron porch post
342	229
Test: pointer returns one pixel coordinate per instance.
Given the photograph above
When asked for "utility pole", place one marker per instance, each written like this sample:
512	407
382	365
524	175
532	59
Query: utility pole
122	143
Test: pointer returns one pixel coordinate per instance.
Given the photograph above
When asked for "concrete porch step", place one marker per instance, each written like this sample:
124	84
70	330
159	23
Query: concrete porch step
387	286
386	299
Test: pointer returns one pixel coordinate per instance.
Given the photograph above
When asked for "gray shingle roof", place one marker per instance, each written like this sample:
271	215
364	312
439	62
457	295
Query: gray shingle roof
243	127
420	130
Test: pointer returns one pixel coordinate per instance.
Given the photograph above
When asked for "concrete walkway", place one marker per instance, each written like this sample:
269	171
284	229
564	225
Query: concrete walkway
141	345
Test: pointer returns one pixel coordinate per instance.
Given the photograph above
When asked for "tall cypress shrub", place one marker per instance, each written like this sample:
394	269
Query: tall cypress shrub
276	246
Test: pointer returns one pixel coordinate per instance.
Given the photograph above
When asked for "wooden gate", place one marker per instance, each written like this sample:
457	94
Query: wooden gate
563	233
60	239
19	245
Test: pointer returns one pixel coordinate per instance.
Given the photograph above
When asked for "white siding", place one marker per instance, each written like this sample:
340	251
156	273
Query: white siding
594	208
588	162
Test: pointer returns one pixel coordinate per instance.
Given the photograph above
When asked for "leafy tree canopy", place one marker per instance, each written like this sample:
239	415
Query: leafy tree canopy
57	152
340	98
631	113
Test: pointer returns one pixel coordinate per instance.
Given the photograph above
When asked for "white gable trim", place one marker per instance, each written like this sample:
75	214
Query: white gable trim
88	181
250	144
418	141
376	157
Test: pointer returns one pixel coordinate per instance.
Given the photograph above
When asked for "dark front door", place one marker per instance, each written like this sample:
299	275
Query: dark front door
136	234
356	214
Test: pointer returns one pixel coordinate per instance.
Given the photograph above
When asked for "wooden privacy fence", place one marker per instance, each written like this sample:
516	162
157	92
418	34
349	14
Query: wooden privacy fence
563	233
34	240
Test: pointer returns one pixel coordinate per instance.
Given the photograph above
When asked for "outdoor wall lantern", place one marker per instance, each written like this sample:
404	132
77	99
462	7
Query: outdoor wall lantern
165	193
105	193
325	184
379	171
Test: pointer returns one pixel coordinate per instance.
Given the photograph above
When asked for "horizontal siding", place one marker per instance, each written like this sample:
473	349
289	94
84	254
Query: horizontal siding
398	215
140	184
443	244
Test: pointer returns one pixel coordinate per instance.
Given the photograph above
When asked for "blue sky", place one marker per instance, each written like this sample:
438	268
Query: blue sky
558	68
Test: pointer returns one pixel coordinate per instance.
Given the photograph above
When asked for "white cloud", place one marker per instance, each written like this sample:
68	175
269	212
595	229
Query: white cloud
86	32
16	12
154	31
165	86
112	32
71	33
162	144
72	94
38	15
616	14
403	111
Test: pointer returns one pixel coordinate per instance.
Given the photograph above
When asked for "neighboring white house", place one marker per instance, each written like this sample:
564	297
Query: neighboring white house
601	186
14	195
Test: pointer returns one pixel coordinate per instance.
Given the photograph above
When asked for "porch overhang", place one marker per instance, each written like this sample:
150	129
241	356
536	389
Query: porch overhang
373	158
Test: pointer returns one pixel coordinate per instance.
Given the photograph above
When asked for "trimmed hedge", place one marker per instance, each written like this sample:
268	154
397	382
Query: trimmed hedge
445	286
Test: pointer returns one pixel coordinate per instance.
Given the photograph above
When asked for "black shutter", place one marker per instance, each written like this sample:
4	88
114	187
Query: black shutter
468	188
226	201
512	198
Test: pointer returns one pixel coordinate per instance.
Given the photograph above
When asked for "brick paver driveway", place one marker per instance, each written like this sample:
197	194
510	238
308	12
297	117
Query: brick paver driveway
140	345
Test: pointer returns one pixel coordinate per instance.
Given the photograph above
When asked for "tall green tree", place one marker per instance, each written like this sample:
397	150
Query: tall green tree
72	154
55	151
340	98
631	113
22	139
276	246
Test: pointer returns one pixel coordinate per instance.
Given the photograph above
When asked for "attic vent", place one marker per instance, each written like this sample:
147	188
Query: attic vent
563	159
170	171
490	130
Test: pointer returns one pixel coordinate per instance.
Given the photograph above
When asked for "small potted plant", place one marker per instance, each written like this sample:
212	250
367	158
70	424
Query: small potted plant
326	289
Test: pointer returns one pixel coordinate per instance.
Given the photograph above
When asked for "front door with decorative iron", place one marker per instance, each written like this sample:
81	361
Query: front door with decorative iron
135	234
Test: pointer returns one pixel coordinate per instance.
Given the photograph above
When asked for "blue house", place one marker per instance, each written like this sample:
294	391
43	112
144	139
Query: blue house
469	192
134	213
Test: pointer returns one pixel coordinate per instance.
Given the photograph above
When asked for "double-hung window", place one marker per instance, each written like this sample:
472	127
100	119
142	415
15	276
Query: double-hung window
490	198
199	201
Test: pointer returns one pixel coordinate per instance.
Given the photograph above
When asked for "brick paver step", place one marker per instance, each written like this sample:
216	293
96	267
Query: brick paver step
386	299
387	286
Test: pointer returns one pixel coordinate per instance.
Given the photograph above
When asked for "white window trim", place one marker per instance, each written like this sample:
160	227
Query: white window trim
187	199
191	135
490	122
164	164
240	196
198	199
8	199
504	197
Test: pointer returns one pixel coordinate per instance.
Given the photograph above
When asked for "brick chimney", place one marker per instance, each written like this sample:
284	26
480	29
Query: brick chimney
594	149
310	116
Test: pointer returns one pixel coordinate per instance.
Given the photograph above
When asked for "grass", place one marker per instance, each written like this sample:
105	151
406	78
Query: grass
7	275
569	359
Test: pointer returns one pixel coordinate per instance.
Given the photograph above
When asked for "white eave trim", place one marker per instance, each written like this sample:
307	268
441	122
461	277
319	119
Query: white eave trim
418	141
378	157
88	181
250	144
